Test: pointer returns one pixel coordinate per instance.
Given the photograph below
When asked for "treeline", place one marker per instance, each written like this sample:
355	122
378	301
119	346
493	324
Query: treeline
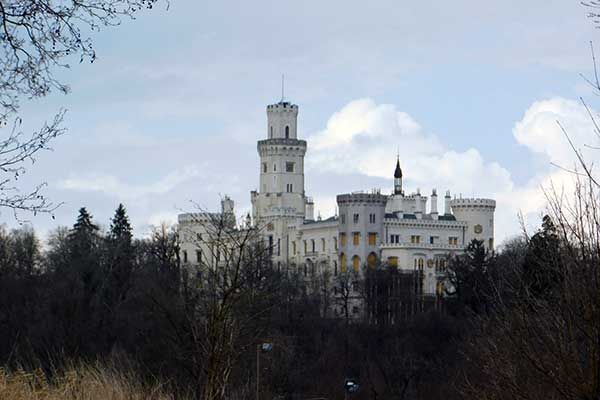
519	323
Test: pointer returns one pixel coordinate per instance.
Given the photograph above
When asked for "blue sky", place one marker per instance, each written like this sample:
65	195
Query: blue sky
172	108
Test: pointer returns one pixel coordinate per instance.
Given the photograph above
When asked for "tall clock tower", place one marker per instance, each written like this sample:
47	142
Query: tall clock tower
280	200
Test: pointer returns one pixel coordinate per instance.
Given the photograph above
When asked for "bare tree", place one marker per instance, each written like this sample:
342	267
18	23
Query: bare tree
36	38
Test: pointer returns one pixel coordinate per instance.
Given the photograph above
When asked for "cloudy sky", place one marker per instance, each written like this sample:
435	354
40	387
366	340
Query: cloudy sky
468	91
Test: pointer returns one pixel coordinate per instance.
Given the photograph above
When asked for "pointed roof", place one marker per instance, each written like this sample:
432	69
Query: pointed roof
398	171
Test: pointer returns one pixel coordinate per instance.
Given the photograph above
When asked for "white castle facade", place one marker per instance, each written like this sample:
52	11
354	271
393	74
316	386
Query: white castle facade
402	230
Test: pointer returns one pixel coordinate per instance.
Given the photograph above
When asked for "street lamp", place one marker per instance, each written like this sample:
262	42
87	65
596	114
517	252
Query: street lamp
260	348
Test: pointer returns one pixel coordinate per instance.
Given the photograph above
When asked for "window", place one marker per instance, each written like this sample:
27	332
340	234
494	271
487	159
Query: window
356	238
289	167
270	245
372	239
393	261
343	263
394	239
185	259
294	248
452	240
355	218
271	133
372	260
335	246
343	238
342	218
419	264
289	188
312	245
372	218
198	256
431	239
264	168
415	239
335	272
274	167
491	244
278	247
287	132
305	248
323	245
356	263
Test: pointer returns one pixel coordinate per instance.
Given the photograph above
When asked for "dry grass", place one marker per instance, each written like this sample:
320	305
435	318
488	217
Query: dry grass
83	382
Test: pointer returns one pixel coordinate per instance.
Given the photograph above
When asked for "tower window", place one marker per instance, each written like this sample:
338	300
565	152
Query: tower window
264	168
355	218
287	132
289	188
271	133
342	219
372	218
185	258
274	167
289	167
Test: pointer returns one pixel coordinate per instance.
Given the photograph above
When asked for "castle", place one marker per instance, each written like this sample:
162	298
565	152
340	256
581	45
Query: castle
370	228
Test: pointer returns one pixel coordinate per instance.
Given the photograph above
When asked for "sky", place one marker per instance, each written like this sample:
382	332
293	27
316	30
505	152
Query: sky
467	92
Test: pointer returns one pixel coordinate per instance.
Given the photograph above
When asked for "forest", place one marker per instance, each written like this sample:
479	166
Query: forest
521	322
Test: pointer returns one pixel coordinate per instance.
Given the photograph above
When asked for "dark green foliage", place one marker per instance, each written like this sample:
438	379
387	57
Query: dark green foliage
541	269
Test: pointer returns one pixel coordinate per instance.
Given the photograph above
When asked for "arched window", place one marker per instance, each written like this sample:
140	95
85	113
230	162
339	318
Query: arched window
287	132
343	263
372	260
356	263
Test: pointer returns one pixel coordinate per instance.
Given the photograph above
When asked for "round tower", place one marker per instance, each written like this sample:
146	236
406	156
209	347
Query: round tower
479	215
279	201
282	120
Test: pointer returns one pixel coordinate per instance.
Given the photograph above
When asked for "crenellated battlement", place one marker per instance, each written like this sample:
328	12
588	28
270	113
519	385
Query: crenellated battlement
473	202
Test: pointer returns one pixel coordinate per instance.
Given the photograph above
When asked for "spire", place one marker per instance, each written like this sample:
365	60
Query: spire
398	171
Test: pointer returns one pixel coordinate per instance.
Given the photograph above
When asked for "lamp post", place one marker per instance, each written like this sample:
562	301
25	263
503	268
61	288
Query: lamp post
260	348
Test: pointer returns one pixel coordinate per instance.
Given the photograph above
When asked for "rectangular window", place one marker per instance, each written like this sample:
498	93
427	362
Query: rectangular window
289	167
323	245
264	168
274	167
356	238
305	248
335	243
342	218
289	188
415	239
294	248
372	218
355	218
431	239
198	256
312	245
278	247
393	261
185	259
453	241
342	239
270	245
372	239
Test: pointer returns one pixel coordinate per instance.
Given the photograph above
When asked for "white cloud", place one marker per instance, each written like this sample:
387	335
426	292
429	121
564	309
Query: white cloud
363	136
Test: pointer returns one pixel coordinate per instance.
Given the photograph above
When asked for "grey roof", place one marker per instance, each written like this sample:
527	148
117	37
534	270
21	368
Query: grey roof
447	217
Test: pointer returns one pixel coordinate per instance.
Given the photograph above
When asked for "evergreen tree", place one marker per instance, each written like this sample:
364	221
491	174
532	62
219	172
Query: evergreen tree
470	276
541	271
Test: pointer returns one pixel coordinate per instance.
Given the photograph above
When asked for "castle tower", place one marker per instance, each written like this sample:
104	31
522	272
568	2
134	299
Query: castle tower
280	200
479	215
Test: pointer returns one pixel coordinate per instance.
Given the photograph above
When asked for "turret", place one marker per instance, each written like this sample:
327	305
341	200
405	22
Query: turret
418	209
398	178
447	209
434	209
282	120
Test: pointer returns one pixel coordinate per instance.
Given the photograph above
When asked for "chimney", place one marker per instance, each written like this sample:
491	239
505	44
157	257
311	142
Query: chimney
418	210
447	209
434	210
